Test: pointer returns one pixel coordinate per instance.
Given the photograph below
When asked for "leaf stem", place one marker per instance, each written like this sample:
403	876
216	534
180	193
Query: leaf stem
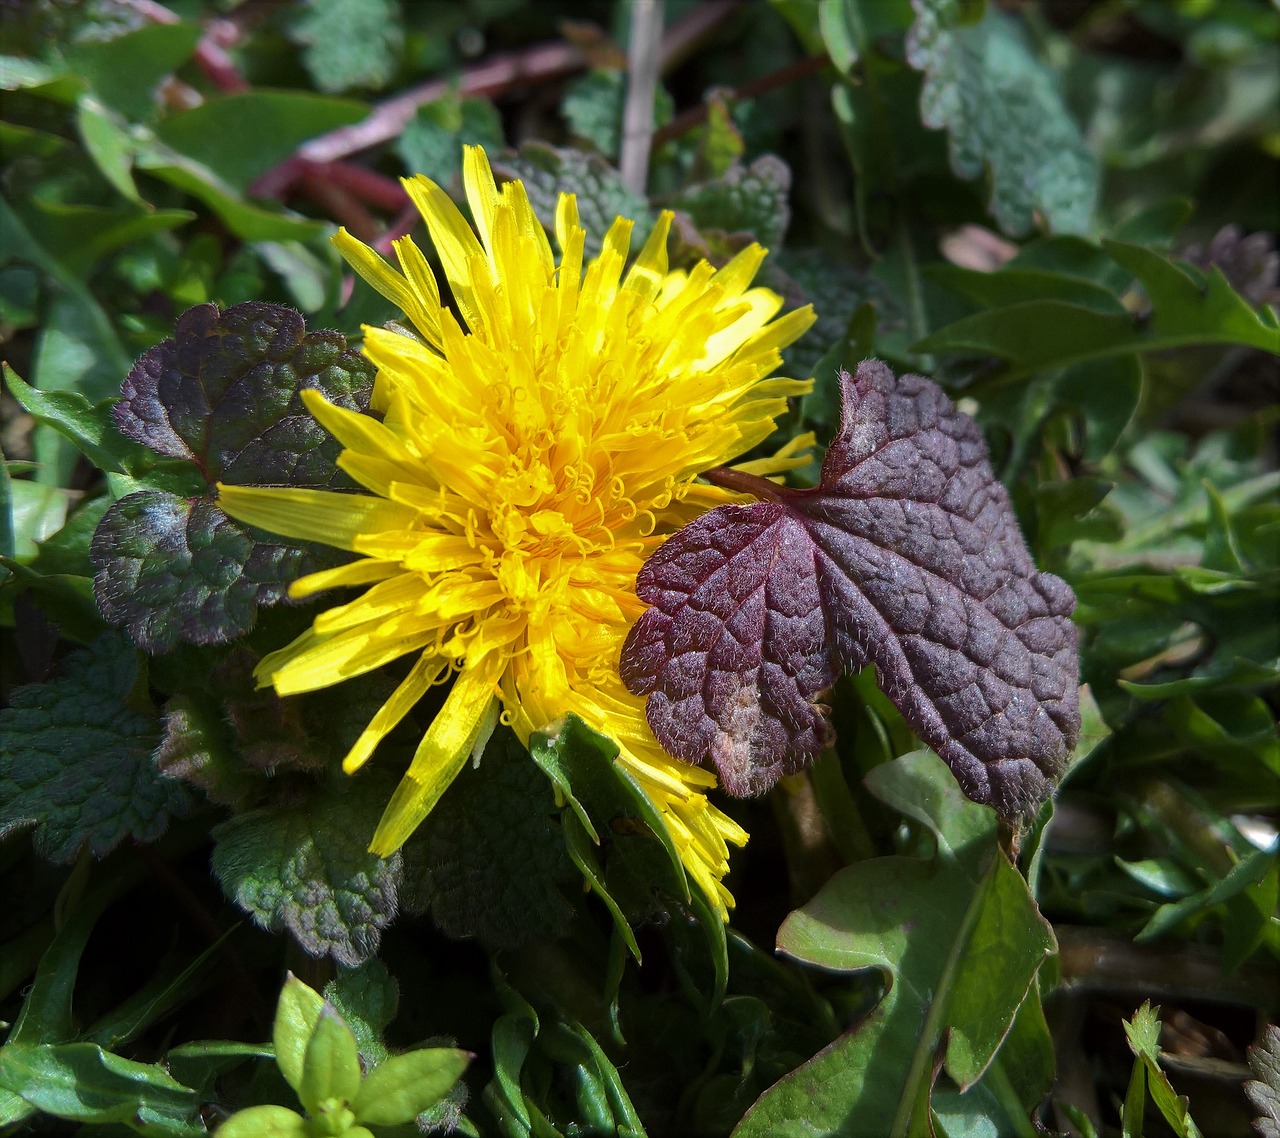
747	483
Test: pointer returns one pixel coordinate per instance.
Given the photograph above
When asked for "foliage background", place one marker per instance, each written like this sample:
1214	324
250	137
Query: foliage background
1045	206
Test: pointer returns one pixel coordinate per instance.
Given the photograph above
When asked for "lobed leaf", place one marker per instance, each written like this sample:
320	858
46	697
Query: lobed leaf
78	758
305	868
225	394
1005	116
754	199
906	555
1263	1090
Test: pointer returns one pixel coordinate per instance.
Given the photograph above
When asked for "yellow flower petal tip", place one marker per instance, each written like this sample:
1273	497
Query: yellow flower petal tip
528	452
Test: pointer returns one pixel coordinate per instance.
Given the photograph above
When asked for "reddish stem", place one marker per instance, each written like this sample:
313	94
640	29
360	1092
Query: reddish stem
746	483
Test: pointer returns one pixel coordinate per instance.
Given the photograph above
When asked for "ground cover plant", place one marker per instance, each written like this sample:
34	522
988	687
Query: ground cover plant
638	568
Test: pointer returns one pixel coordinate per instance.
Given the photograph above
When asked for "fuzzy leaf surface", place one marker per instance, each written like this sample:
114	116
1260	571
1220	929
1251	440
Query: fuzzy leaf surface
306	868
1263	1090
906	555
225	394
1003	114
754	199
78	758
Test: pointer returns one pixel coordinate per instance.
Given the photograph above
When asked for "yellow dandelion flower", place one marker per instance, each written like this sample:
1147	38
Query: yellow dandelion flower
520	466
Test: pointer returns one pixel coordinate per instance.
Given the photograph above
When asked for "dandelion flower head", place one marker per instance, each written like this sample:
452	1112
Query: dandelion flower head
521	462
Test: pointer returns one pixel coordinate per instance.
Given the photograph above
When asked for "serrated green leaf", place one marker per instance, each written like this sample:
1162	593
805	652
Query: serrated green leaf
264	1122
1004	115
78	759
349	43
297	1012
402	1087
754	199
81	1082
1263	1090
173	570
240	136
307	869
959	937
330	1066
1143	1035
366	997
547	172
490	860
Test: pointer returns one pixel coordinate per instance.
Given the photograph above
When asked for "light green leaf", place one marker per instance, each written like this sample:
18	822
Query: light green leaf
402	1087
330	1065
297	1012
264	1122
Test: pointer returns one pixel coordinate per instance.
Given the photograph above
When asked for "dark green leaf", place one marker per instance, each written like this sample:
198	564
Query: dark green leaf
366	997
432	140
491	856
125	71
1004	116
1263	1089
82	1083
751	199
78	760
307	869
960	939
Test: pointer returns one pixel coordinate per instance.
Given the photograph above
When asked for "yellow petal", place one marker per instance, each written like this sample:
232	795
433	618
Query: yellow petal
314	515
425	672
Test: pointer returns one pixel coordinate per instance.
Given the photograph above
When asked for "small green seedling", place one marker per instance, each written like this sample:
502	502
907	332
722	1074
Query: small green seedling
316	1053
1143	1033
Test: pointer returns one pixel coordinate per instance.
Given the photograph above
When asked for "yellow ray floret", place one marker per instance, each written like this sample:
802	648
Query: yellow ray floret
523	462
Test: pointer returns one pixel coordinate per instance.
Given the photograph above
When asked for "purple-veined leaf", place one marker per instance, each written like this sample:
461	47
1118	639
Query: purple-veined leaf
907	555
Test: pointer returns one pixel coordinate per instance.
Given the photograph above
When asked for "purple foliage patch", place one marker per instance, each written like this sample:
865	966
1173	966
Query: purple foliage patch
906	555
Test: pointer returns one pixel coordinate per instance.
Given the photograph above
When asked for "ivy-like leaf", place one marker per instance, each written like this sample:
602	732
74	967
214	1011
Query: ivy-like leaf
1003	114
491	860
78	758
906	555
307	869
224	394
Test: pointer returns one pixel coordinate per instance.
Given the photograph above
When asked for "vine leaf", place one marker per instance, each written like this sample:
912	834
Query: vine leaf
224	393
906	555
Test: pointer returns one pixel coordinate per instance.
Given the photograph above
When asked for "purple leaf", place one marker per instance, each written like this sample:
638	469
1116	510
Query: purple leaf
906	555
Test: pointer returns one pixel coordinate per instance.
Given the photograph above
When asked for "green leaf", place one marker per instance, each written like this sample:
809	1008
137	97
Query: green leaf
89	427
402	1087
265	1122
432	141
36	513
330	1066
1263	1090
367	997
547	172
108	144
240	136
125	70
78	761
750	199
1004	115
1143	1035
173	570
960	941
306	869
1249	870
197	1064
297	1013
349	43
490	860
80	1082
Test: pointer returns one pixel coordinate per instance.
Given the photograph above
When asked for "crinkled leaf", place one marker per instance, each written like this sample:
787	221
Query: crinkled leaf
306	868
1263	1090
906	555
491	859
81	1082
547	172
366	997
754	199
176	569
78	757
225	394
349	43
959	939
1004	115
